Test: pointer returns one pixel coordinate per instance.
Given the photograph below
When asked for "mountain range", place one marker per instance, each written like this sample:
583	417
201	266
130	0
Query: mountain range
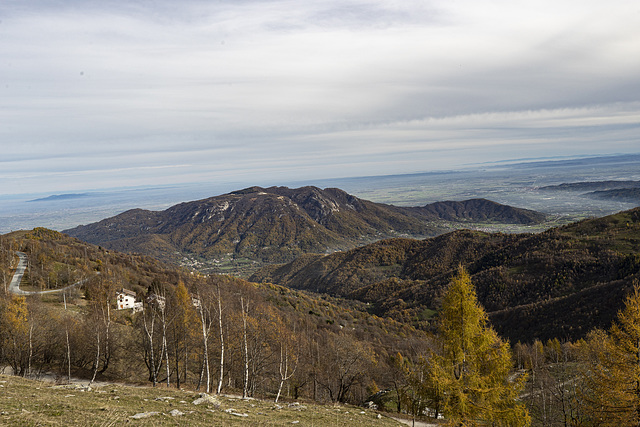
278	224
559	283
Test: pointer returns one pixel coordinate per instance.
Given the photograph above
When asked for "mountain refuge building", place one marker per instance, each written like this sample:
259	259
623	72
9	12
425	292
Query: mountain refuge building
126	299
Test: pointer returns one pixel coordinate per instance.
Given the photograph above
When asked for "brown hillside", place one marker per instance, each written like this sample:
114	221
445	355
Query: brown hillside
556	275
278	224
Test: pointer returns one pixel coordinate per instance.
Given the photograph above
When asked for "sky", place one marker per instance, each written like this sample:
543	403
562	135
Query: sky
121	93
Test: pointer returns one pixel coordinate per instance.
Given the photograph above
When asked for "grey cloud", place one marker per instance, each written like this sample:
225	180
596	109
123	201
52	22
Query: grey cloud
279	88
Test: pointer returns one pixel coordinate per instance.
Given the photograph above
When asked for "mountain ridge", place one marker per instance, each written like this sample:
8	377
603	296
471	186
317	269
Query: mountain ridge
277	224
554	275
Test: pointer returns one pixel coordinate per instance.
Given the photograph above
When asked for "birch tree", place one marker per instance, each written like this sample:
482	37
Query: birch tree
244	306
151	358
289	348
206	318
102	295
221	335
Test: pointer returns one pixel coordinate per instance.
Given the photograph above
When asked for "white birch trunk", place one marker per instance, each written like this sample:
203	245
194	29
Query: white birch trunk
245	385
154	373
30	350
205	340
95	368
221	377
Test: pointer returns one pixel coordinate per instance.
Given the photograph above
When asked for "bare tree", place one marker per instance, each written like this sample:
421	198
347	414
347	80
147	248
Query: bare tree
345	364
206	320
221	333
287	367
153	358
245	312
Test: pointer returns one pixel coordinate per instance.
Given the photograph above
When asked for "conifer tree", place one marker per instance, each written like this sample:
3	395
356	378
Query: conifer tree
473	369
612	369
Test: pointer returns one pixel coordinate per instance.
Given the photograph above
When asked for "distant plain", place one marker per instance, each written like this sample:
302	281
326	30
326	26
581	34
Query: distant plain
516	184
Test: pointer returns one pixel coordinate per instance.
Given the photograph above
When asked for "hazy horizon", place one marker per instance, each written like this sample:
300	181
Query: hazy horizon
512	184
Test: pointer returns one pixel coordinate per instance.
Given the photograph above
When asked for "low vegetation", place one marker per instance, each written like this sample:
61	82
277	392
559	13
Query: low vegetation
30	403
206	333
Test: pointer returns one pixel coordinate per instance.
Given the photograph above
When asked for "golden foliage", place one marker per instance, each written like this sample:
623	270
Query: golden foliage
473	370
612	369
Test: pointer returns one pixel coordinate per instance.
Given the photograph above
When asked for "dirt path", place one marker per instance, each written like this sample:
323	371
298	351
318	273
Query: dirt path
14	286
416	424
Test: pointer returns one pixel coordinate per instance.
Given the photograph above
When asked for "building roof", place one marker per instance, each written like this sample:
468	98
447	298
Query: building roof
127	292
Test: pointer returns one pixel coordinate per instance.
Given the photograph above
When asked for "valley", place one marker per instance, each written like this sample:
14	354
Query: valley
323	295
559	283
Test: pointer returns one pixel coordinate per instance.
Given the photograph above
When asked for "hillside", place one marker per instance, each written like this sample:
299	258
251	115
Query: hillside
278	224
119	345
619	191
477	210
559	283
630	195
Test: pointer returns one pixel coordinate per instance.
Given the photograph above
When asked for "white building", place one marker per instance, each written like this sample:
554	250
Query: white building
126	299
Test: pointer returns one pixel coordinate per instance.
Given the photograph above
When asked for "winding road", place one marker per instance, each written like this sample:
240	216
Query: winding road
14	286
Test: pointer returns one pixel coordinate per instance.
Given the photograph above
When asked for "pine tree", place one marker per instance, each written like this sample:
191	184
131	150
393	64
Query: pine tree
474	367
612	369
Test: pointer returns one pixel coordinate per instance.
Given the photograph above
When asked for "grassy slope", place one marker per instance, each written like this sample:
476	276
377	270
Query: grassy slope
29	403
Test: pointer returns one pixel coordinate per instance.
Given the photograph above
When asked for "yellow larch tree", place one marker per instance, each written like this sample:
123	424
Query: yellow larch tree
611	369
473	370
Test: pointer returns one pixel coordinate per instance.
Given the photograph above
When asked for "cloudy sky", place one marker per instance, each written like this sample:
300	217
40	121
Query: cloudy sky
110	93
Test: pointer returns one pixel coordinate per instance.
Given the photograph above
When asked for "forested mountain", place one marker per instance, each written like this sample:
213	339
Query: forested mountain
256	333
559	283
222	333
476	210
277	224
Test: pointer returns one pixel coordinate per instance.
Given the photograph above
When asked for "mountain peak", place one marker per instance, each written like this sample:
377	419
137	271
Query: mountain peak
275	224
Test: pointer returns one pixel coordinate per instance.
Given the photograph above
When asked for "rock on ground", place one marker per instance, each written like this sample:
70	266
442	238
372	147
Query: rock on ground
142	415
207	399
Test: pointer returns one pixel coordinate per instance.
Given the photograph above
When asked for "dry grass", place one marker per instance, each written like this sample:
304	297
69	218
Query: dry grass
34	403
